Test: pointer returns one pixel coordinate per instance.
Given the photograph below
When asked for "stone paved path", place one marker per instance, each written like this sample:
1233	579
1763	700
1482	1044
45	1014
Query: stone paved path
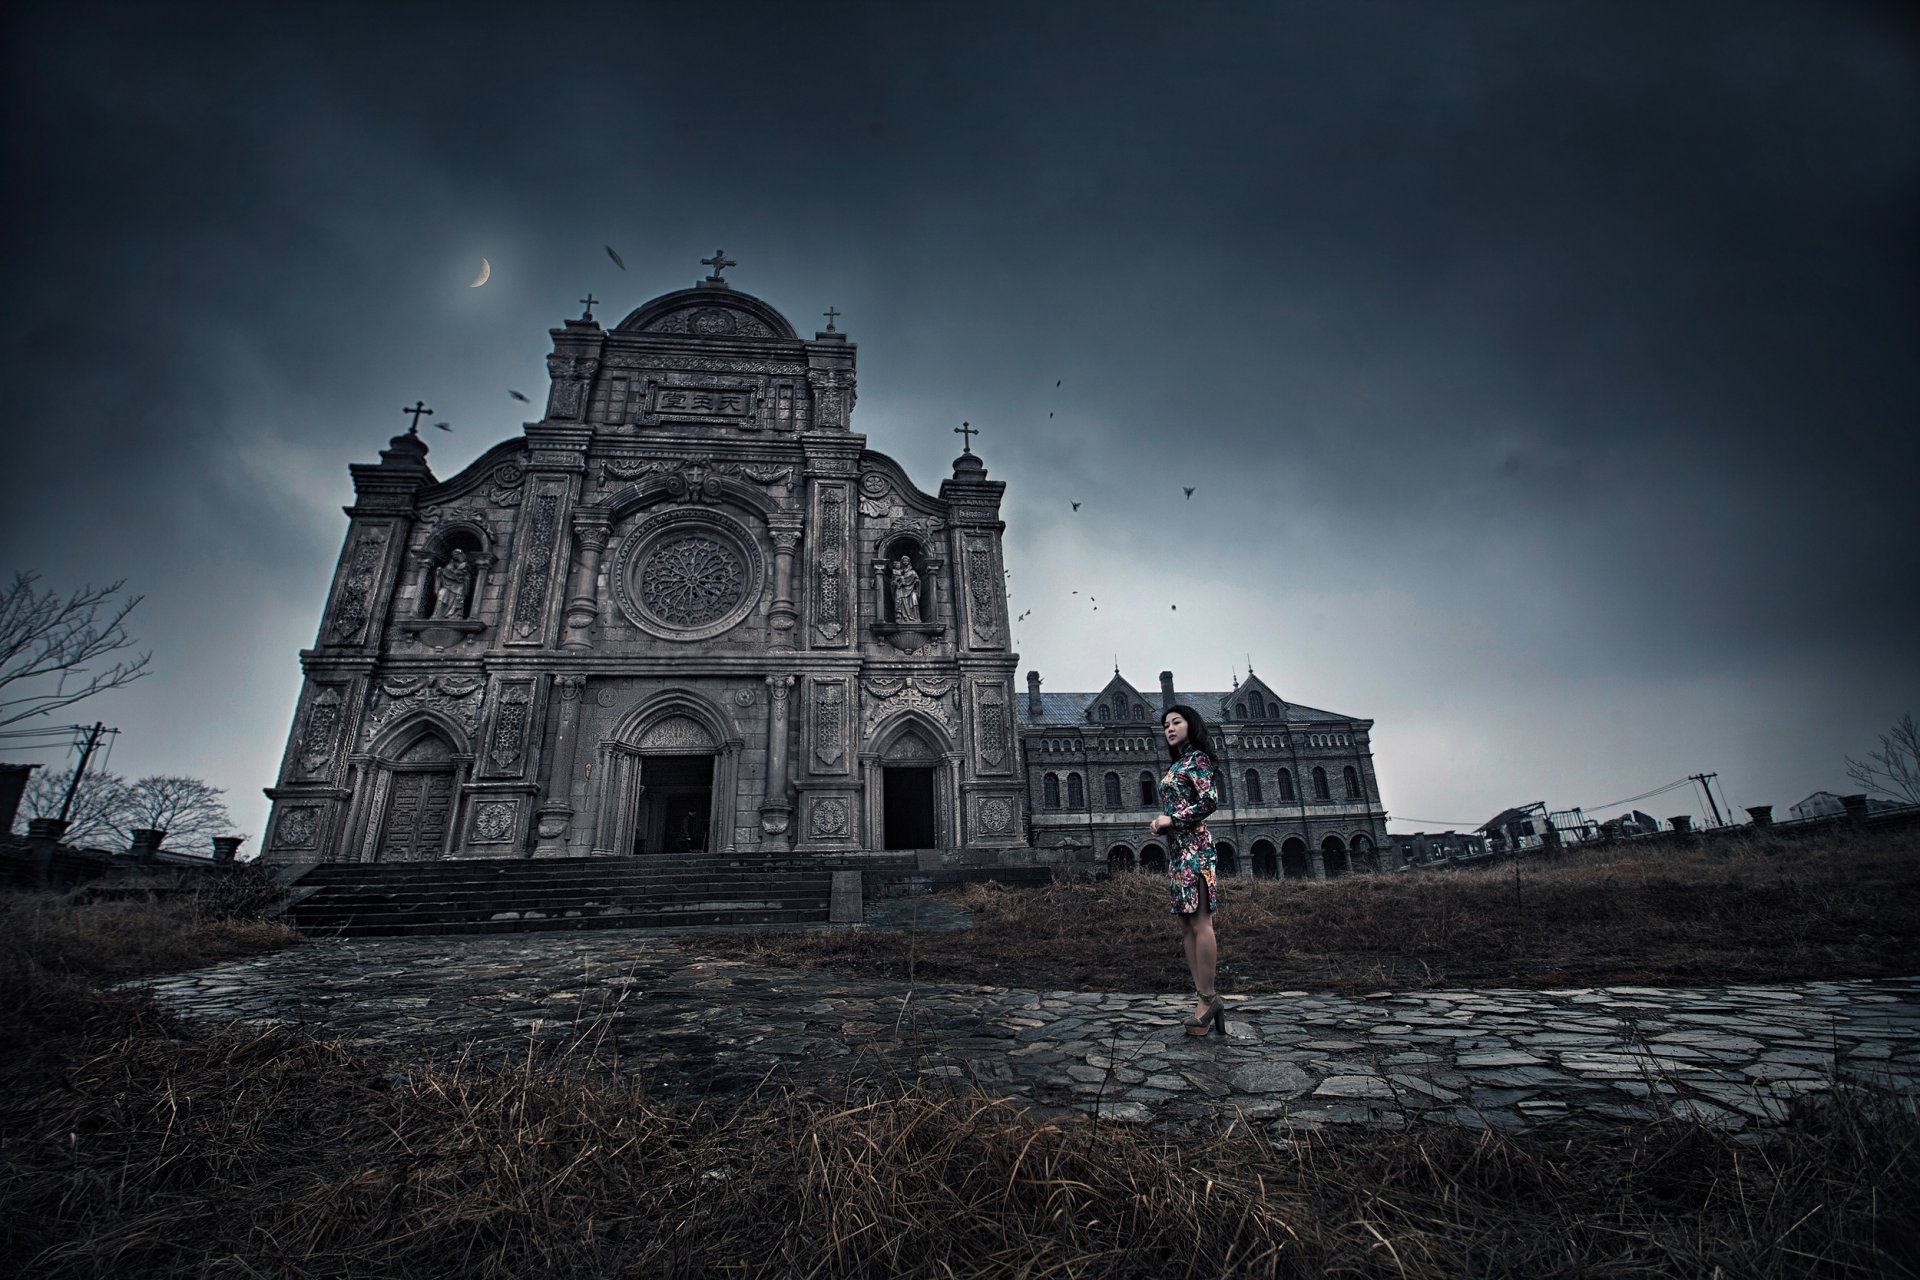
690	1026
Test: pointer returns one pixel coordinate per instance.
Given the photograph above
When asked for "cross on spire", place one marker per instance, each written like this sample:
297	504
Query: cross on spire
966	432
831	316
719	262
419	408
589	300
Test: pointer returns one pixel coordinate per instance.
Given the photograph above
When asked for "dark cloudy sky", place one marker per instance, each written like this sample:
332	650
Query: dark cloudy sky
1546	372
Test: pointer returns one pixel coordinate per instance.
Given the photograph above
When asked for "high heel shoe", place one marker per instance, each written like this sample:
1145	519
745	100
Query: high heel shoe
1215	1018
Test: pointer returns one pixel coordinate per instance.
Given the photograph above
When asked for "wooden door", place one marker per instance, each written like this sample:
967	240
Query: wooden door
419	811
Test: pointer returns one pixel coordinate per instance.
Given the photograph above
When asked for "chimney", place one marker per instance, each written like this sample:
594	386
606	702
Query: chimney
1033	694
227	848
146	842
1167	696
1762	814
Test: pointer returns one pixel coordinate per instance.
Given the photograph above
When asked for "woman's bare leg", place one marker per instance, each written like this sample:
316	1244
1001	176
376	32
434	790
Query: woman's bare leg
1202	951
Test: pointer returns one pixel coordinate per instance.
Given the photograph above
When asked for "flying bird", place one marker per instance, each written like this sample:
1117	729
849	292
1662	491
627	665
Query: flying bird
1189	489
1049	415
517	396
1056	382
1076	506
443	426
616	258
1174	607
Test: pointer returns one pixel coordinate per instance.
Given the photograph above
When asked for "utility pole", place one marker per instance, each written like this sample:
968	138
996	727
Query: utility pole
86	753
1701	778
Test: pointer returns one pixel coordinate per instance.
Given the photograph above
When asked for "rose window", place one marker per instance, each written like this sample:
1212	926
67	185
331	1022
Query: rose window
692	580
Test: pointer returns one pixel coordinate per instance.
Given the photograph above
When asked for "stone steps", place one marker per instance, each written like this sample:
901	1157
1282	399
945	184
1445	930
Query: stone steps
473	896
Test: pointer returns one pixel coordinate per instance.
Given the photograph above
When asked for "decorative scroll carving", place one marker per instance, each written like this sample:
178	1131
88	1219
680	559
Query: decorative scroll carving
830	588
507	482
298	827
829	726
677	733
356	593
712	364
494	821
451	695
833	395
922	692
694	471
710	322
529	607
317	738
828	817
910	747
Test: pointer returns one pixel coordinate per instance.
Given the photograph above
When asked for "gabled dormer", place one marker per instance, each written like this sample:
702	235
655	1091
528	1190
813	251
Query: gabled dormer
1120	703
1252	699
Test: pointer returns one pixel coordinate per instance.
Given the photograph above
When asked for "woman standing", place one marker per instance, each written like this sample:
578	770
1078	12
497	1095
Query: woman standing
1187	795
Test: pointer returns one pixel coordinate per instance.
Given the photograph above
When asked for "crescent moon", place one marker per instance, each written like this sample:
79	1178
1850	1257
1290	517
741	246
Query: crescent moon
486	269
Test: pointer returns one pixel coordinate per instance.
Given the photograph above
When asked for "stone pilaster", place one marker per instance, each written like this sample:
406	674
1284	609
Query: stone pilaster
775	813
554	819
784	617
591	531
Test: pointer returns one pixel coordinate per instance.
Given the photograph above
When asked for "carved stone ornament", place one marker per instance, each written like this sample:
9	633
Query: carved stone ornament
995	815
992	726
507	745
495	820
450	695
677	733
507	485
688	574
744	697
298	828
829	723
926	693
983	582
710	322
323	720
875	485
529	606
910	747
693	471
830	585
828	817
356	592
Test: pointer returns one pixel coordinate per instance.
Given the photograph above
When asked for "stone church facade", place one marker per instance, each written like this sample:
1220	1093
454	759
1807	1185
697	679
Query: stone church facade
1298	795
687	609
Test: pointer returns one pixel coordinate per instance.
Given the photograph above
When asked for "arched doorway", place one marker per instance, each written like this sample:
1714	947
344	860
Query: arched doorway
416	820
909	787
1153	858
1365	857
1226	862
1119	858
1266	864
665	782
1293	859
1333	854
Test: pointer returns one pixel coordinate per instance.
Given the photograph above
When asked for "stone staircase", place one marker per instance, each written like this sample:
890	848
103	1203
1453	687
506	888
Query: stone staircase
350	899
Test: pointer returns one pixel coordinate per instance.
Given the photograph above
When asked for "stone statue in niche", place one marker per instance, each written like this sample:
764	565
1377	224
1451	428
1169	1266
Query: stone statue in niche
450	583
906	591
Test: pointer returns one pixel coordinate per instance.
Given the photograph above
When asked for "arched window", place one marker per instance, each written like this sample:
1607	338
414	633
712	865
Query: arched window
1253	787
1149	791
1113	791
1139	713
1105	714
1320	791
1286	786
1120	706
1353	782
1240	710
1076	792
1050	791
1273	711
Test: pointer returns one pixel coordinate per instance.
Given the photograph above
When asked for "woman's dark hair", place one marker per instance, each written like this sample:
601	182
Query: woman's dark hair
1196	732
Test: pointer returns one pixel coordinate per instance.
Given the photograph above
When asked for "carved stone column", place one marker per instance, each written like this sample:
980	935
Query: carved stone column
591	531
775	813
554	819
784	617
1318	863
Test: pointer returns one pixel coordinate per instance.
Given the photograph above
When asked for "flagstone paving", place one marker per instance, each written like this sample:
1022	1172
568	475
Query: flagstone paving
687	1026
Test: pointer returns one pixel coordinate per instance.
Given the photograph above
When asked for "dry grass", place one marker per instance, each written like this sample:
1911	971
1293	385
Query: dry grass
139	1148
1753	911
134	1145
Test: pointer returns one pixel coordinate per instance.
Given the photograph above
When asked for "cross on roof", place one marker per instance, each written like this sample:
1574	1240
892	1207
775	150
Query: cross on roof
419	408
589	300
719	262
967	433
831	316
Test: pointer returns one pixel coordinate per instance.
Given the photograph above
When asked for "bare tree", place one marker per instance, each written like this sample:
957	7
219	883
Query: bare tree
97	805
45	638
187	809
1894	769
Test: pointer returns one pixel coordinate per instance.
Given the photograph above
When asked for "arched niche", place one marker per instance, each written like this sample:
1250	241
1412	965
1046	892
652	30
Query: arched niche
911	784
909	592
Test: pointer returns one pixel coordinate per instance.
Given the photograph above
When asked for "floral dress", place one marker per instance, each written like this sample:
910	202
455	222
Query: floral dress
1188	795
